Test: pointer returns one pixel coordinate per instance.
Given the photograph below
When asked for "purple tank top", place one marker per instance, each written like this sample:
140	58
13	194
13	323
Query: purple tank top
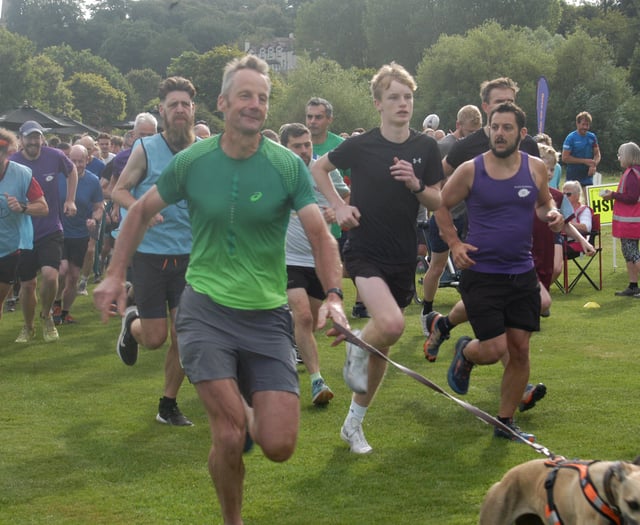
501	219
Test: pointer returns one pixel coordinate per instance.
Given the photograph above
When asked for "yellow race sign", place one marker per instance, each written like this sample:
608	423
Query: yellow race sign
598	204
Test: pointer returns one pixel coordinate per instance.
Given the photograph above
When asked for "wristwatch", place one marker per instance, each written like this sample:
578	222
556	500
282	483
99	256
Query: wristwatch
421	188
336	291
23	205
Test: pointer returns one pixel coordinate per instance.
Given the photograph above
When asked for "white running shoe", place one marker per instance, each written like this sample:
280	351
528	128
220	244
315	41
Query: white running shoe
49	331
26	335
352	433
425	324
356	367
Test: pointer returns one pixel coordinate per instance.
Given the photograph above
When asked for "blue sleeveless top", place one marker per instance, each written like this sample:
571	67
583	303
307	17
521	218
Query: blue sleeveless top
16	229
501	219
173	235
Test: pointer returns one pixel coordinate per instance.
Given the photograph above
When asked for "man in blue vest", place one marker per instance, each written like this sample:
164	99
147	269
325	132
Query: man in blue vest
160	263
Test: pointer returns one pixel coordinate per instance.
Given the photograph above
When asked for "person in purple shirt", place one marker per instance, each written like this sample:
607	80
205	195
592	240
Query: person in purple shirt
499	286
47	165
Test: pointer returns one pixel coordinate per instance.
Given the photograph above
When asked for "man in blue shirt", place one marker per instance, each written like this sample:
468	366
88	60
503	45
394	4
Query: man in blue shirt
580	151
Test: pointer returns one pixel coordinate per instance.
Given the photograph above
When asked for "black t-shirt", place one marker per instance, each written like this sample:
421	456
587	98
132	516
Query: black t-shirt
387	231
478	143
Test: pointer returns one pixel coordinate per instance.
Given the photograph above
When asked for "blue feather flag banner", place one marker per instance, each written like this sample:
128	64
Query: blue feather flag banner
542	98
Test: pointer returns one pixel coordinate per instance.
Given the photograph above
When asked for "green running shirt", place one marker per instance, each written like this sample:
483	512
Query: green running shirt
239	212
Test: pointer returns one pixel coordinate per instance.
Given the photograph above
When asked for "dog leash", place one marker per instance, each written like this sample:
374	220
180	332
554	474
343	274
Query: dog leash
480	414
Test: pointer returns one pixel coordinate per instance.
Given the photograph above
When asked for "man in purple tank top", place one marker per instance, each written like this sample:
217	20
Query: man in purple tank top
499	285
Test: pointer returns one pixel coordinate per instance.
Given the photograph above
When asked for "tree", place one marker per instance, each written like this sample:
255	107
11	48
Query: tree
99	103
333	29
46	22
588	80
205	71
86	62
452	70
344	88
125	44
15	51
46	89
580	70
162	47
145	84
634	69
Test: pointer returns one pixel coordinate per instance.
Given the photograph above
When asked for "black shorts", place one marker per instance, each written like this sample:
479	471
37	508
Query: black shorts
495	302
435	242
9	267
399	278
46	252
158	282
307	278
74	250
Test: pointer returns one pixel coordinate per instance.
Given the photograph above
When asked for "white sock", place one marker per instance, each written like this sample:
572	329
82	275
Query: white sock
356	411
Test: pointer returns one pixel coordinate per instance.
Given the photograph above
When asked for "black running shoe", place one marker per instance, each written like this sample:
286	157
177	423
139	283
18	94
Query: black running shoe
532	394
169	414
127	346
515	432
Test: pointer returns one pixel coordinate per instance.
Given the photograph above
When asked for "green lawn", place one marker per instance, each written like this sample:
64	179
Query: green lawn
80	444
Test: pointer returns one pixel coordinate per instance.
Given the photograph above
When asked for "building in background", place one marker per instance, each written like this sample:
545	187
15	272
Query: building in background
278	52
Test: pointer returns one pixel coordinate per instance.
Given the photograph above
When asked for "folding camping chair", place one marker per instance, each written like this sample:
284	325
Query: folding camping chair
572	251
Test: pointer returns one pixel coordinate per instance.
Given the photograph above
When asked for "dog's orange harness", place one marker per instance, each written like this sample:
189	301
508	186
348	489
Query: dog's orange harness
611	513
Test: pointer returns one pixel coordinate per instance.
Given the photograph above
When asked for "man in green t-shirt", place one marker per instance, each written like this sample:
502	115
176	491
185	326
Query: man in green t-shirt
319	116
233	324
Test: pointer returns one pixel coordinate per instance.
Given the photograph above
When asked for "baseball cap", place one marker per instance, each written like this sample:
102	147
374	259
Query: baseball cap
29	127
431	121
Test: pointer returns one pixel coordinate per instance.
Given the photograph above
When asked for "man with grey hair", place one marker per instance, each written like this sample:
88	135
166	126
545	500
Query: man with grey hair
319	116
233	323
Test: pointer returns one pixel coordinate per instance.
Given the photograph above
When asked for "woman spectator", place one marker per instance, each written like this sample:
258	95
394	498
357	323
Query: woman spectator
544	139
582	213
626	213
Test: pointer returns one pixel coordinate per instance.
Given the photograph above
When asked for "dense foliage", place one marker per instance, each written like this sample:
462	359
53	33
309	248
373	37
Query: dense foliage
55	50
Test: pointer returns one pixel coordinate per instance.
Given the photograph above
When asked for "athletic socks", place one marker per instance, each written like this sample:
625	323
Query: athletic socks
427	307
445	325
356	411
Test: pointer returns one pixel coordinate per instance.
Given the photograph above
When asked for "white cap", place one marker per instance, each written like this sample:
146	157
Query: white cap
431	121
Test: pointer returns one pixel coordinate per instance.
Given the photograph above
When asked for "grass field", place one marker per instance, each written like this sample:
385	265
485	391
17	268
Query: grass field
80	444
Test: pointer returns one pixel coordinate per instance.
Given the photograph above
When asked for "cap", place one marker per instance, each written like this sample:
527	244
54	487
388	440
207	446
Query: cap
431	121
29	127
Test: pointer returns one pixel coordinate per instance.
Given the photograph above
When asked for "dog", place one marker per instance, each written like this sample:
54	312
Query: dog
542	492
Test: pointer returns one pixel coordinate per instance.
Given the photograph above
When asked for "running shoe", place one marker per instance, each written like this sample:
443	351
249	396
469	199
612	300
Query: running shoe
351	432
26	335
498	432
359	311
82	287
356	367
169	414
435	338
532	394
127	346
321	394
49	331
460	369
424	320
57	314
